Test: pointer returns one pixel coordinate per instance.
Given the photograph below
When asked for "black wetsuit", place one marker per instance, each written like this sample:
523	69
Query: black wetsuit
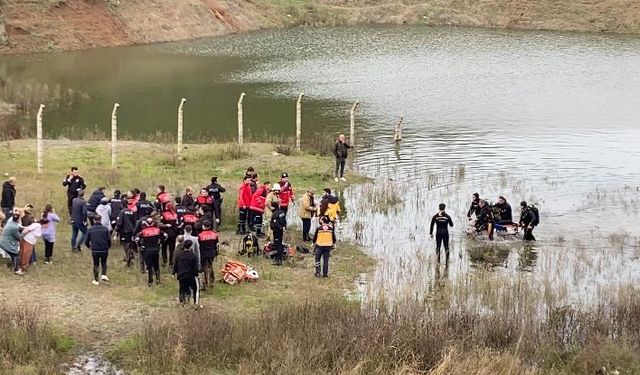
505	212
278	224
528	220
475	208
442	221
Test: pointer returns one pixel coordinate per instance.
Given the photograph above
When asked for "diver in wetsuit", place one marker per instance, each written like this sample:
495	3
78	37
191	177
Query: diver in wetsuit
475	206
442	221
485	219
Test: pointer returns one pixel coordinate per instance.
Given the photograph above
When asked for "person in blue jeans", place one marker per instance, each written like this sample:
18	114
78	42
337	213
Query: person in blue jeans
78	221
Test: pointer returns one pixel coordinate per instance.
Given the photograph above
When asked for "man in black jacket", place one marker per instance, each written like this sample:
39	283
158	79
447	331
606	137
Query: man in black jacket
340	151
99	242
125	228
117	205
215	191
74	183
528	220
442	221
145	208
8	198
278	227
185	269
475	206
94	202
504	207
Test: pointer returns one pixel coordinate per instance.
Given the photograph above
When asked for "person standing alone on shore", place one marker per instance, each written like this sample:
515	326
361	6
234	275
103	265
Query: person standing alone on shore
442	221
99	242
74	183
340	151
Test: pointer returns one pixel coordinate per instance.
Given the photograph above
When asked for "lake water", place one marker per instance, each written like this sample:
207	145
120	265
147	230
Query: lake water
552	118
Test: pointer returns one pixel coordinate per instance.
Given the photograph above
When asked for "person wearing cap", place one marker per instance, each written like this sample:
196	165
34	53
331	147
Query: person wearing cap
324	240
307	211
475	206
272	198
215	191
104	211
74	183
185	269
258	201
340	151
244	201
286	193
8	198
99	242
149	240
442	221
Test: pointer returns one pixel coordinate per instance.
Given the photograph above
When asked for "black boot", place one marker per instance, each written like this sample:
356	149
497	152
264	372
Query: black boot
438	255
446	256
157	277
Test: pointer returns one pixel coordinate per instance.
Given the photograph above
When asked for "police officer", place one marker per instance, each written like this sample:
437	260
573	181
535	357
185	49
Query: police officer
125	228
324	240
215	192
278	226
117	205
144	207
442	221
74	183
181	209
150	239
208	244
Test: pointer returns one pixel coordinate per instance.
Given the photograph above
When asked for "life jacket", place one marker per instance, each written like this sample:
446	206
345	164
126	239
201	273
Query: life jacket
286	193
206	203
259	199
208	242
324	235
244	195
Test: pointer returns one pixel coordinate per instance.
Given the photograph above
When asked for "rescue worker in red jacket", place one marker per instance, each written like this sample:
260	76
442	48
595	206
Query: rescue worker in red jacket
286	193
244	201
170	227
150	239
258	201
208	243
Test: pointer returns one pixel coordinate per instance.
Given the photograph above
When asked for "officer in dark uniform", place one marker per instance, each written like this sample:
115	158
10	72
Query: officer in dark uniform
215	192
278	226
150	239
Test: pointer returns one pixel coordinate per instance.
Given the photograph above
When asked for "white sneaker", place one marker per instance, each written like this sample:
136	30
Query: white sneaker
104	278
94	282
337	179
343	179
19	272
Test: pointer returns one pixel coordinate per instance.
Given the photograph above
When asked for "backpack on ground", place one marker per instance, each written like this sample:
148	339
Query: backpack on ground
249	245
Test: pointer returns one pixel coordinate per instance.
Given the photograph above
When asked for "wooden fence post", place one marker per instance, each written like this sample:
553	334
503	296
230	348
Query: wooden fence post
298	121
180	125
398	131
114	135
39	145
352	130
240	121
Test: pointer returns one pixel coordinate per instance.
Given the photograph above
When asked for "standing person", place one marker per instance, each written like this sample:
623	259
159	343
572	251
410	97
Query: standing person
215	191
324	240
442	221
258	201
8	198
208	243
272	197
94	201
486	219
170	227
286	193
149	240
104	211
188	236
204	203
10	241
529	219
181	209
307	211
329	206
186	269
78	221
504	207
162	198
117	205
475	206
49	232
244	201
188	200
74	183
144	207
99	242
278	225
340	151
30	235
125	227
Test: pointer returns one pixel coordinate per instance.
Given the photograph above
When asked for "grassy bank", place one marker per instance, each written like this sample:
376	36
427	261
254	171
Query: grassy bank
110	312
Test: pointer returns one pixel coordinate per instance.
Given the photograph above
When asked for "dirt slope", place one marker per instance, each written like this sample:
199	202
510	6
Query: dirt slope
41	25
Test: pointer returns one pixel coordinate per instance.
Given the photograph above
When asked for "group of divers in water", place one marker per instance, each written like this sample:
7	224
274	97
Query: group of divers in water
485	217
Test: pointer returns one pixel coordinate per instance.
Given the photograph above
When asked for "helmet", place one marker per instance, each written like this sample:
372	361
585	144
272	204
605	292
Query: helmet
276	187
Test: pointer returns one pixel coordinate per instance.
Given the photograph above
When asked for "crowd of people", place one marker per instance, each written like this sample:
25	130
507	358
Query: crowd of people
180	232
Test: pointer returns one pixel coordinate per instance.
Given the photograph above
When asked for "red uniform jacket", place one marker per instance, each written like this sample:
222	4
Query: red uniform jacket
244	195
286	193
259	199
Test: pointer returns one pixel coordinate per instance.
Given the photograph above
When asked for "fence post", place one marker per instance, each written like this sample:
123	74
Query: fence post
39	145
180	125
298	121
114	135
352	130
398	131
240	121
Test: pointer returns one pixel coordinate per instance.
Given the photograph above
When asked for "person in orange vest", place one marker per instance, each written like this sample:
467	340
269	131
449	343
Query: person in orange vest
208	244
286	193
258	201
244	201
150	240
324	240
